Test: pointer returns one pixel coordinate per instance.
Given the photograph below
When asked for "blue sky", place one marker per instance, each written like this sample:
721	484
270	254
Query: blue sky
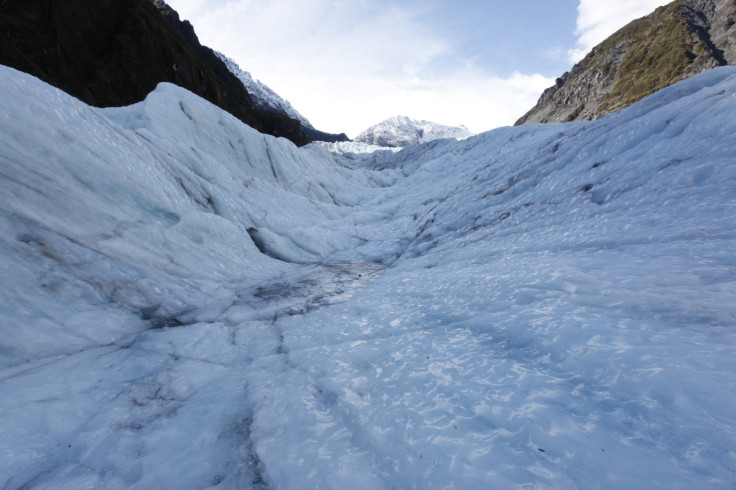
348	64
506	37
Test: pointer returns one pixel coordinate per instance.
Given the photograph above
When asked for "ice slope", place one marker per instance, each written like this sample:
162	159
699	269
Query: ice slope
547	306
401	131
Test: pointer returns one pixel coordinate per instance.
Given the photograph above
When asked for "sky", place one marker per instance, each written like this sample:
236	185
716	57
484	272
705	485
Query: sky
348	64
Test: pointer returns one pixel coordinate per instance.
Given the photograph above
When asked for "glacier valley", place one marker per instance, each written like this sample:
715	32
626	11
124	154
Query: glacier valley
186	303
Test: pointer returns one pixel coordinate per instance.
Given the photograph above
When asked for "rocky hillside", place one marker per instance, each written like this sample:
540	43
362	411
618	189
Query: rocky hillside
115	52
400	131
675	42
266	99
263	96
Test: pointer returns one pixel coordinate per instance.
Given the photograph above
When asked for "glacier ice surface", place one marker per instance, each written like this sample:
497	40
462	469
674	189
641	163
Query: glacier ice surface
186	303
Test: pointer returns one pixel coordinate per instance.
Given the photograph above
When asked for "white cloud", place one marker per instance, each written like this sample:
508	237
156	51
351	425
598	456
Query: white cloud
598	19
478	101
348	64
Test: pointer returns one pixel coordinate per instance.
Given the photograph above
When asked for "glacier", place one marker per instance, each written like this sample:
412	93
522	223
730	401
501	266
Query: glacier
187	303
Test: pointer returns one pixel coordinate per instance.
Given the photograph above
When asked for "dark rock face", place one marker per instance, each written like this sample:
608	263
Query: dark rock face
675	42
115	52
317	135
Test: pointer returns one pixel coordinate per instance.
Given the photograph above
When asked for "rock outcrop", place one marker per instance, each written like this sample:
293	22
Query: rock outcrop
675	42
114	52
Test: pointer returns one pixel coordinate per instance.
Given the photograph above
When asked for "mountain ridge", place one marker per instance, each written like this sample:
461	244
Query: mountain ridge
114	52
266	99
672	43
400	131
263	96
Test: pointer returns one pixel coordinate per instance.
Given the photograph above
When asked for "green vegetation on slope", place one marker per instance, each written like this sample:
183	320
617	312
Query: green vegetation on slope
660	50
671	44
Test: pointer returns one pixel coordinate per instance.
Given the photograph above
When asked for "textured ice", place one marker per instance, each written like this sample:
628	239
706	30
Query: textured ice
186	303
357	153
348	148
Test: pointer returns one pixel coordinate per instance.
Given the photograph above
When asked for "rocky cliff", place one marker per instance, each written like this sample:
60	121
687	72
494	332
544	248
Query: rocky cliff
675	42
115	52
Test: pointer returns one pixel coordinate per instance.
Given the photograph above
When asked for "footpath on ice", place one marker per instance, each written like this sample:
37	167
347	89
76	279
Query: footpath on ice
186	303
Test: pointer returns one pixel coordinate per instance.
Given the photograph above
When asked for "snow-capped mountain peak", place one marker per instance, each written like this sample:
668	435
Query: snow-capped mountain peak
400	131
